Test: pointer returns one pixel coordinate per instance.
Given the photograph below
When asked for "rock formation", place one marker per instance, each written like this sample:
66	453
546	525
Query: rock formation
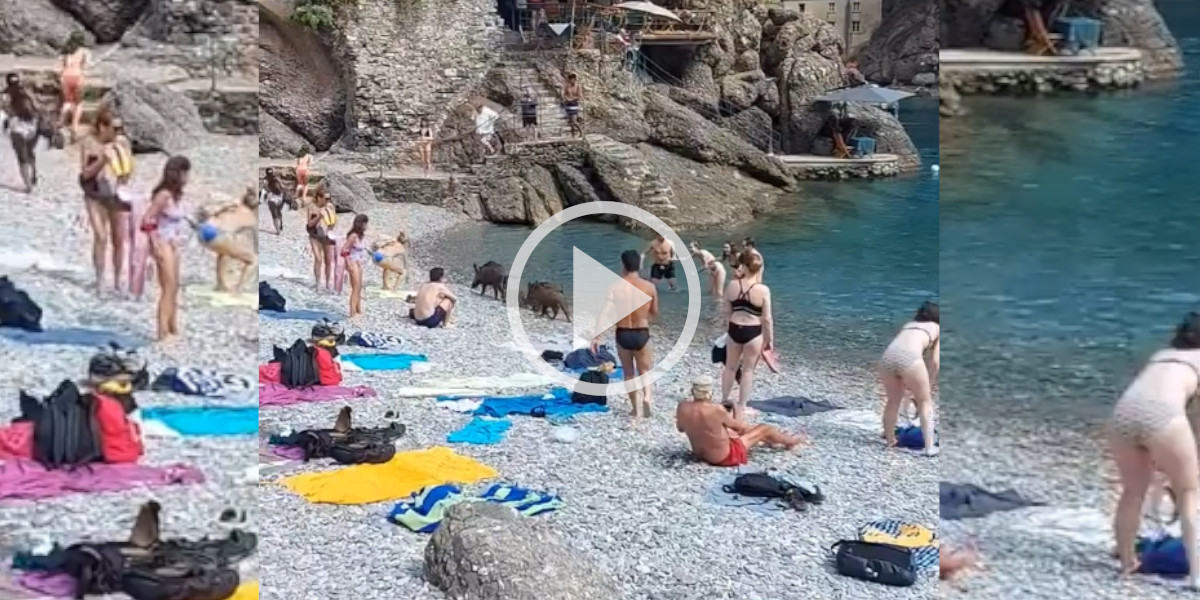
1132	23
485	551
904	48
156	118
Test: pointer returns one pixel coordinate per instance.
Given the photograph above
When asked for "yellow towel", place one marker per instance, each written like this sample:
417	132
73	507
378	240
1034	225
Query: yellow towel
911	536
398	478
246	591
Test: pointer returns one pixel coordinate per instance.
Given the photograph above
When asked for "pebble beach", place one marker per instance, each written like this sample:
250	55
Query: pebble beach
634	497
48	254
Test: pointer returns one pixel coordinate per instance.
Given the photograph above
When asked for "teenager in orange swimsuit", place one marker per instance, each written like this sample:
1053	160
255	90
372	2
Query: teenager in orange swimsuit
302	164
76	58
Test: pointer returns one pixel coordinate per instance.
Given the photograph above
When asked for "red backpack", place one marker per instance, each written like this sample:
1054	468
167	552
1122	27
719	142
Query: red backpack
120	438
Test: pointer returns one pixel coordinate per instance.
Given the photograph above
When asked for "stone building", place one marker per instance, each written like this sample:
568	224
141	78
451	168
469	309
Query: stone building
855	20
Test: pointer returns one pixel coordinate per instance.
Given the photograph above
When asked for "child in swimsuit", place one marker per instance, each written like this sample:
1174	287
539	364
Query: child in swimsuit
166	223
354	251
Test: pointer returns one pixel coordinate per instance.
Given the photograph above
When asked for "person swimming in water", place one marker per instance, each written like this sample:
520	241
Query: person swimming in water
425	145
633	330
272	195
321	219
166	223
1150	431
902	368
302	171
392	258
231	232
106	166
354	252
751	331
716	270
75	60
22	120
729	255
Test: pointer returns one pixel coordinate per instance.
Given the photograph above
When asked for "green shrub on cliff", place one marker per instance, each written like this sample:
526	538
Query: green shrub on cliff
316	15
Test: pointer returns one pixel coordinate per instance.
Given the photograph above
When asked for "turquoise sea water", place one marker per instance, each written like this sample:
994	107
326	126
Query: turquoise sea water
1070	243
847	262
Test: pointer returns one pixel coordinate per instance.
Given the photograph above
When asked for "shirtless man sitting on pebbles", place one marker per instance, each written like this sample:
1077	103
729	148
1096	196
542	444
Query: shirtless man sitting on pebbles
716	437
434	302
662	252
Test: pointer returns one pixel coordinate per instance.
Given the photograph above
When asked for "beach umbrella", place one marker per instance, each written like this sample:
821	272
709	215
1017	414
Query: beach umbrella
649	8
866	93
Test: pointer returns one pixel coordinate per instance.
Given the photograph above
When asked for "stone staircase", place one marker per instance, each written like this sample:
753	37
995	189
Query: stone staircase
552	120
655	194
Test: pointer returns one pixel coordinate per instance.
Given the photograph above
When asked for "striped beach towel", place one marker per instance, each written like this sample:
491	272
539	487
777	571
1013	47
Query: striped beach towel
423	513
920	539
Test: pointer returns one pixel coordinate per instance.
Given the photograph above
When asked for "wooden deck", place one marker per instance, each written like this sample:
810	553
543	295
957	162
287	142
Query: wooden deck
995	60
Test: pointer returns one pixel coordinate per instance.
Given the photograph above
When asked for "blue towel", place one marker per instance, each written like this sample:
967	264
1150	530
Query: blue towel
555	404
206	420
424	511
1162	556
70	336
383	362
300	315
481	431
911	438
583	358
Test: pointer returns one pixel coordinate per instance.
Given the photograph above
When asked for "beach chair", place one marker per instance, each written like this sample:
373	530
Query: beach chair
840	149
1039	41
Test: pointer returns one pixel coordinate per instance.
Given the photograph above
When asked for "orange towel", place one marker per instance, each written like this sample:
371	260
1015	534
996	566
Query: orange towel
406	474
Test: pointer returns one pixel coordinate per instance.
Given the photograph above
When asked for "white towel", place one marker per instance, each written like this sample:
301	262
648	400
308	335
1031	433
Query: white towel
516	380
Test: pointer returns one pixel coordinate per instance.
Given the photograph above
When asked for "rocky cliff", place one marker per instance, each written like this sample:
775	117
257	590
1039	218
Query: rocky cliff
904	49
1131	23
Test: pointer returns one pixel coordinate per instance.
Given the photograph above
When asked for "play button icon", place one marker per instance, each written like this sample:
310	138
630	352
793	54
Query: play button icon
594	286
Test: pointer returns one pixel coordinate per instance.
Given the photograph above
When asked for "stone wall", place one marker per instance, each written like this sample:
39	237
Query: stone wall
184	28
1081	78
406	59
457	194
877	170
228	112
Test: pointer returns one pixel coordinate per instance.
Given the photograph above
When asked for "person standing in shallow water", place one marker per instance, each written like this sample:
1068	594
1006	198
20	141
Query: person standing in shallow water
1150	432
902	368
21	120
166	223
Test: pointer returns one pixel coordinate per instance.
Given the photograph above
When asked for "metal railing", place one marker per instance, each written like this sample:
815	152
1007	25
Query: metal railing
763	137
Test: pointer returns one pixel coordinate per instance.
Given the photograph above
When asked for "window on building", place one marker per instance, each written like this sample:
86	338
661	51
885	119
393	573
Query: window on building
800	7
833	7
856	7
856	26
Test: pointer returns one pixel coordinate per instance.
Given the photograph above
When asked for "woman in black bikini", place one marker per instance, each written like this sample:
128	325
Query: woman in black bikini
321	220
751	329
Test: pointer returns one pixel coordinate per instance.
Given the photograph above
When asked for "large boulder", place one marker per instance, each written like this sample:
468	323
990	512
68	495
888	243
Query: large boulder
688	134
890	135
348	193
503	200
276	140
299	83
904	45
157	118
708	195
574	185
1137	24
485	551
107	19
964	23
36	27
949	100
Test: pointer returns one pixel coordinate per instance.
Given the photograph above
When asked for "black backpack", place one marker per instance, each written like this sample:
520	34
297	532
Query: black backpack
95	567
270	299
354	447
877	563
17	309
762	485
591	376
65	432
180	579
298	369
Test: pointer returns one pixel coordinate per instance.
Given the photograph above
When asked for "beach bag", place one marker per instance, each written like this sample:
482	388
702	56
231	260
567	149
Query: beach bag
17	309
65	432
877	563
597	377
296	366
361	451
270	299
763	485
180	581
96	568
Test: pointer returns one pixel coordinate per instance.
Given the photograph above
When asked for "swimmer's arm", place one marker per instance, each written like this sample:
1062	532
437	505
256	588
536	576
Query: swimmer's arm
768	322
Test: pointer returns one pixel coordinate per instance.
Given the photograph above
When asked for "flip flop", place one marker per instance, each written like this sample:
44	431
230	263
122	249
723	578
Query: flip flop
771	358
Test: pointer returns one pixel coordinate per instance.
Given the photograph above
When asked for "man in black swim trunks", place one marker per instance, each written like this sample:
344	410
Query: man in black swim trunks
434	301
633	330
662	252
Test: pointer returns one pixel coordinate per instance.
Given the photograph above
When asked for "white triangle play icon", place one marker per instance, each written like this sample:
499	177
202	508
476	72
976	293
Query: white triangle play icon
594	285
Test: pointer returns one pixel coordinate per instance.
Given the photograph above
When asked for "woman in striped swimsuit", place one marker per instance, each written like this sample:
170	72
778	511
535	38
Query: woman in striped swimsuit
166	223
902	369
1150	432
354	252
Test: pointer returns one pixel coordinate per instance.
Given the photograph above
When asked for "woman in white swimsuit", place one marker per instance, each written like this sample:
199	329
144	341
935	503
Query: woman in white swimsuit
902	369
272	195
166	223
1150	432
